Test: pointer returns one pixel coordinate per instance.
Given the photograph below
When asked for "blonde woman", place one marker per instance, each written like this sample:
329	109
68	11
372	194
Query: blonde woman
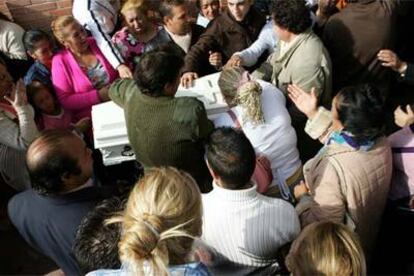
138	30
258	108
161	219
326	248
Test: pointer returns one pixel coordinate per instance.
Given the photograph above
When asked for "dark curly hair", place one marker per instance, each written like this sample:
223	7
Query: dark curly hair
292	15
361	110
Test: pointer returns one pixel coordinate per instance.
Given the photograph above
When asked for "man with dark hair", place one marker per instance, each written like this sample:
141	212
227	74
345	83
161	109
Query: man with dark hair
232	31
96	243
299	58
178	29
47	216
176	26
245	228
164	130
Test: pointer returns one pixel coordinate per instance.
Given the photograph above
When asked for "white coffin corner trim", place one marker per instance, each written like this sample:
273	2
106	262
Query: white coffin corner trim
109	128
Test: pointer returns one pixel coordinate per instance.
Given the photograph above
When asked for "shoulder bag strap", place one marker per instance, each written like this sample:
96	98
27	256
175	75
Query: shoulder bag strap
234	119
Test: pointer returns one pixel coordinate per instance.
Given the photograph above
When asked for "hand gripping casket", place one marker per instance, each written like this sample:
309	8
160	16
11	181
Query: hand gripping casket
109	128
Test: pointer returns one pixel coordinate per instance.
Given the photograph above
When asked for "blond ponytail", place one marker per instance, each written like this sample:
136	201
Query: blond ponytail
238	89
162	217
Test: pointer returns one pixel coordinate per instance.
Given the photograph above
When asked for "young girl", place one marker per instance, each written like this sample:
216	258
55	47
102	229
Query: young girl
49	114
39	46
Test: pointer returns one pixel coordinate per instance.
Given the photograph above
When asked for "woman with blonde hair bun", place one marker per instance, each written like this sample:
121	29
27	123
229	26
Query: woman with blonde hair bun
326	248
163	215
258	108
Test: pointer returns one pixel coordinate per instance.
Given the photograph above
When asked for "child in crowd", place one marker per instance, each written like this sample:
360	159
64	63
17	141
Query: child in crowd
49	114
326	248
39	46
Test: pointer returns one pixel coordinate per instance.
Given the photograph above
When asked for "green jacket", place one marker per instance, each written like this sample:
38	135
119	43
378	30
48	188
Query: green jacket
164	131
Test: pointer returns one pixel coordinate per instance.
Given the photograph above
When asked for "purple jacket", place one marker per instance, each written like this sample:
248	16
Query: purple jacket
73	87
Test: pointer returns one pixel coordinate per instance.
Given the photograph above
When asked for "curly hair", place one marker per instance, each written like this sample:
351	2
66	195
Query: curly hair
293	16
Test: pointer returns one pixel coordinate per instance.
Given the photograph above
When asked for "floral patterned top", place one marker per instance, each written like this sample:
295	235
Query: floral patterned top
129	47
97	75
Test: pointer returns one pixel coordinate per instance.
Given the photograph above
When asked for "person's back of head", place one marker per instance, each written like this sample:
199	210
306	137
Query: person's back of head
58	161
326	248
158	69
293	16
96	243
361	110
238	88
166	6
162	216
230	157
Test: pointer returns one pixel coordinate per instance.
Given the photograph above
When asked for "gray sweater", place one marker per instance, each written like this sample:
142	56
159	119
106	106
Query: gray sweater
14	140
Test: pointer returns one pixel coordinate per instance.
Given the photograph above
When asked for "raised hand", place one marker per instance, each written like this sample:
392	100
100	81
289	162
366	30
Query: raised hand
18	96
305	102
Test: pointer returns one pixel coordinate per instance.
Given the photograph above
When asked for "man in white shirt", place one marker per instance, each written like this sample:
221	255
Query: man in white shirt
245	229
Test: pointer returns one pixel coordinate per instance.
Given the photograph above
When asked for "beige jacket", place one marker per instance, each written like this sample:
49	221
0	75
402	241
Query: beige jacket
344	181
306	63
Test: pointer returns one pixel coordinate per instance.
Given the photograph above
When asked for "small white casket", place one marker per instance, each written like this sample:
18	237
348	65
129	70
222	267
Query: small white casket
109	128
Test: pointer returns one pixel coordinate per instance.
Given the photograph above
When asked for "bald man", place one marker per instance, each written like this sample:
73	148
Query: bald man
47	216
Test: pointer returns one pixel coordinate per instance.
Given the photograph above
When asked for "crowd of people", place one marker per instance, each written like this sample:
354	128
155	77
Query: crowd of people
299	176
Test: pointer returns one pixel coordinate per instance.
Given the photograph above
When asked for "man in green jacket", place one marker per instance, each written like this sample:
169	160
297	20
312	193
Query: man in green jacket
164	130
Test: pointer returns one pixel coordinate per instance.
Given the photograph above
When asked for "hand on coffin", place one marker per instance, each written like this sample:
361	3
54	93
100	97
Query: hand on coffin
234	61
187	79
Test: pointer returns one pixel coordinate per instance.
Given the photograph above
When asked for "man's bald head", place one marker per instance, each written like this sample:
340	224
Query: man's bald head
52	159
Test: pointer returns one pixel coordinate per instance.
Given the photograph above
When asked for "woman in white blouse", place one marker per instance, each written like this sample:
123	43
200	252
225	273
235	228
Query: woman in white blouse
261	113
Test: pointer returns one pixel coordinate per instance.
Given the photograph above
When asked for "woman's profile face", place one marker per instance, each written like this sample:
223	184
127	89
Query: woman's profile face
75	38
6	82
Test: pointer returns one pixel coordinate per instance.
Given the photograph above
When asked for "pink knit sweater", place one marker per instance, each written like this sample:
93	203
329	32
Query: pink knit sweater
73	87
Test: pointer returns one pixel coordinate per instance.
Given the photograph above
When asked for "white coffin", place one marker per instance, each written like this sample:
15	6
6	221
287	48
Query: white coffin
109	128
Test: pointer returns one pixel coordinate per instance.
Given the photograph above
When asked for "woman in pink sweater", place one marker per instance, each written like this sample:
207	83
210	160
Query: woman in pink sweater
81	75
